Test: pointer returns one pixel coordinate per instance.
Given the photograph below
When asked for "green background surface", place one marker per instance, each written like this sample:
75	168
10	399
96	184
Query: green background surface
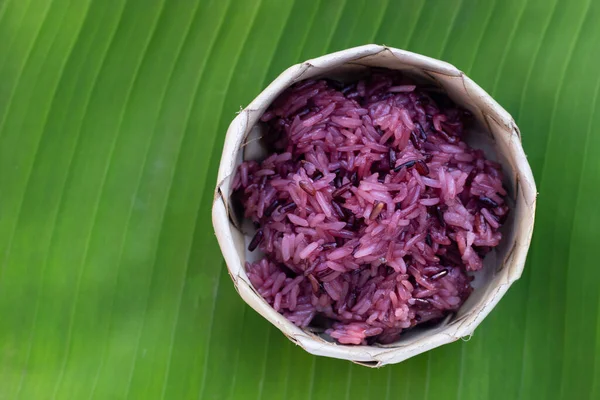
112	119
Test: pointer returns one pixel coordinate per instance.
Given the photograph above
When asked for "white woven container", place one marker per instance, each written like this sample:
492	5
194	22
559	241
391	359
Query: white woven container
496	133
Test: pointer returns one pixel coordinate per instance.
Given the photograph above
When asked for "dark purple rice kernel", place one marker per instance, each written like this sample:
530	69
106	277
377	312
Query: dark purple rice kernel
470	178
421	131
258	237
486	201
407	165
269	210
338	209
439	275
288	207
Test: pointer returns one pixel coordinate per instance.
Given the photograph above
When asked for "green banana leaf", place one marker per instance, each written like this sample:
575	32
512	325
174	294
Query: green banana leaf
112	119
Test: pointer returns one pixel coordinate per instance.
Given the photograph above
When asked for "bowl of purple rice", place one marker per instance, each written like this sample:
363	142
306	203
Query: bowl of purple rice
373	204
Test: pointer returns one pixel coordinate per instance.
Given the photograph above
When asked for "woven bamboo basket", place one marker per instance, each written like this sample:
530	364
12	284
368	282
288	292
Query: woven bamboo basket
495	132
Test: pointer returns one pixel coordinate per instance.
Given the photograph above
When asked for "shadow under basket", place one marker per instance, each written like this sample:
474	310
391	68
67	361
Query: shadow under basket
493	131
